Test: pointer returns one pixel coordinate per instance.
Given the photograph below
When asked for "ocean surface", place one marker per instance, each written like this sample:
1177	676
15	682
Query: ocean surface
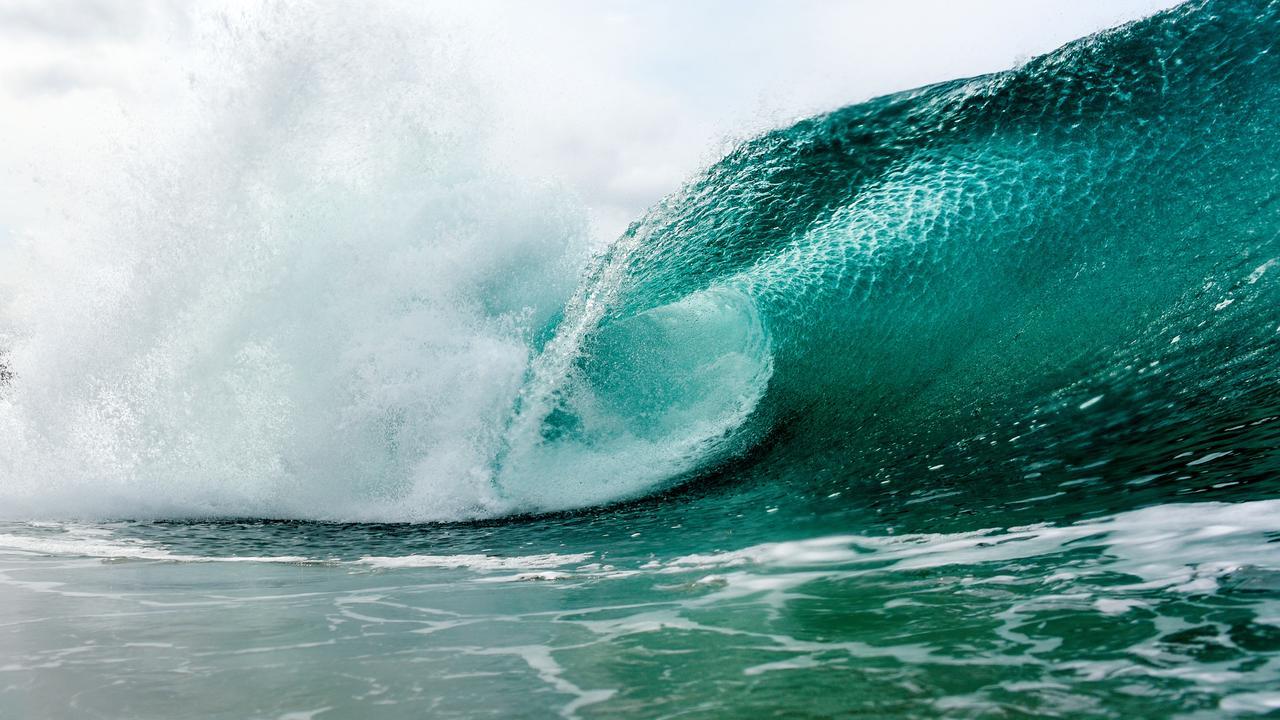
960	402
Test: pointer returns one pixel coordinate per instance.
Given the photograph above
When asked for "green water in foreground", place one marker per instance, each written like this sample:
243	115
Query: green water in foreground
1169	611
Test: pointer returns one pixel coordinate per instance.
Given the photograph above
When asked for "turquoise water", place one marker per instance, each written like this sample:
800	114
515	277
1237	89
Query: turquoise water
961	402
1168	611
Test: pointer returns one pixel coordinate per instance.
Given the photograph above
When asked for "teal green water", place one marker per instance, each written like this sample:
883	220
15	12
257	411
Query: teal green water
962	402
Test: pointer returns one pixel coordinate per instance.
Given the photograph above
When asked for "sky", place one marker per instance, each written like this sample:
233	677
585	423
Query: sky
619	101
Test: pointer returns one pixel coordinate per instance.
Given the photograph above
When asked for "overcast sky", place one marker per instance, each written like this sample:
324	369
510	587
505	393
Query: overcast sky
620	101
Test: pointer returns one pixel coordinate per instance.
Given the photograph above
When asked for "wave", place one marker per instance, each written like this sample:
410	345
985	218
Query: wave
1071	262
1007	270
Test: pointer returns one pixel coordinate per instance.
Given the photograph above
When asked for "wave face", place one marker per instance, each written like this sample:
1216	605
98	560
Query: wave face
1072	260
979	287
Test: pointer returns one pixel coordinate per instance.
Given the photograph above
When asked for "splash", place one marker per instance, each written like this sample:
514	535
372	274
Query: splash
310	290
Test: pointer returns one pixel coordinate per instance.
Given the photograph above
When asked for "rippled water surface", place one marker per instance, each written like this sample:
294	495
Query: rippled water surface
1172	610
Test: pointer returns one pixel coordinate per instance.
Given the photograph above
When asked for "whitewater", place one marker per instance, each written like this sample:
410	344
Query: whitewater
958	402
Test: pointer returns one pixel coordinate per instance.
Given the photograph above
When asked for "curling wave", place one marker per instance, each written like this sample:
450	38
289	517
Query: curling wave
1083	248
990	277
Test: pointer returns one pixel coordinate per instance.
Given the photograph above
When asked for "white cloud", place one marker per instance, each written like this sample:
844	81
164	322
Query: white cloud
627	99
621	101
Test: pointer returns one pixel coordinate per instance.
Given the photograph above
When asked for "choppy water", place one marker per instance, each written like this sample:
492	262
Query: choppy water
1167	611
961	402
